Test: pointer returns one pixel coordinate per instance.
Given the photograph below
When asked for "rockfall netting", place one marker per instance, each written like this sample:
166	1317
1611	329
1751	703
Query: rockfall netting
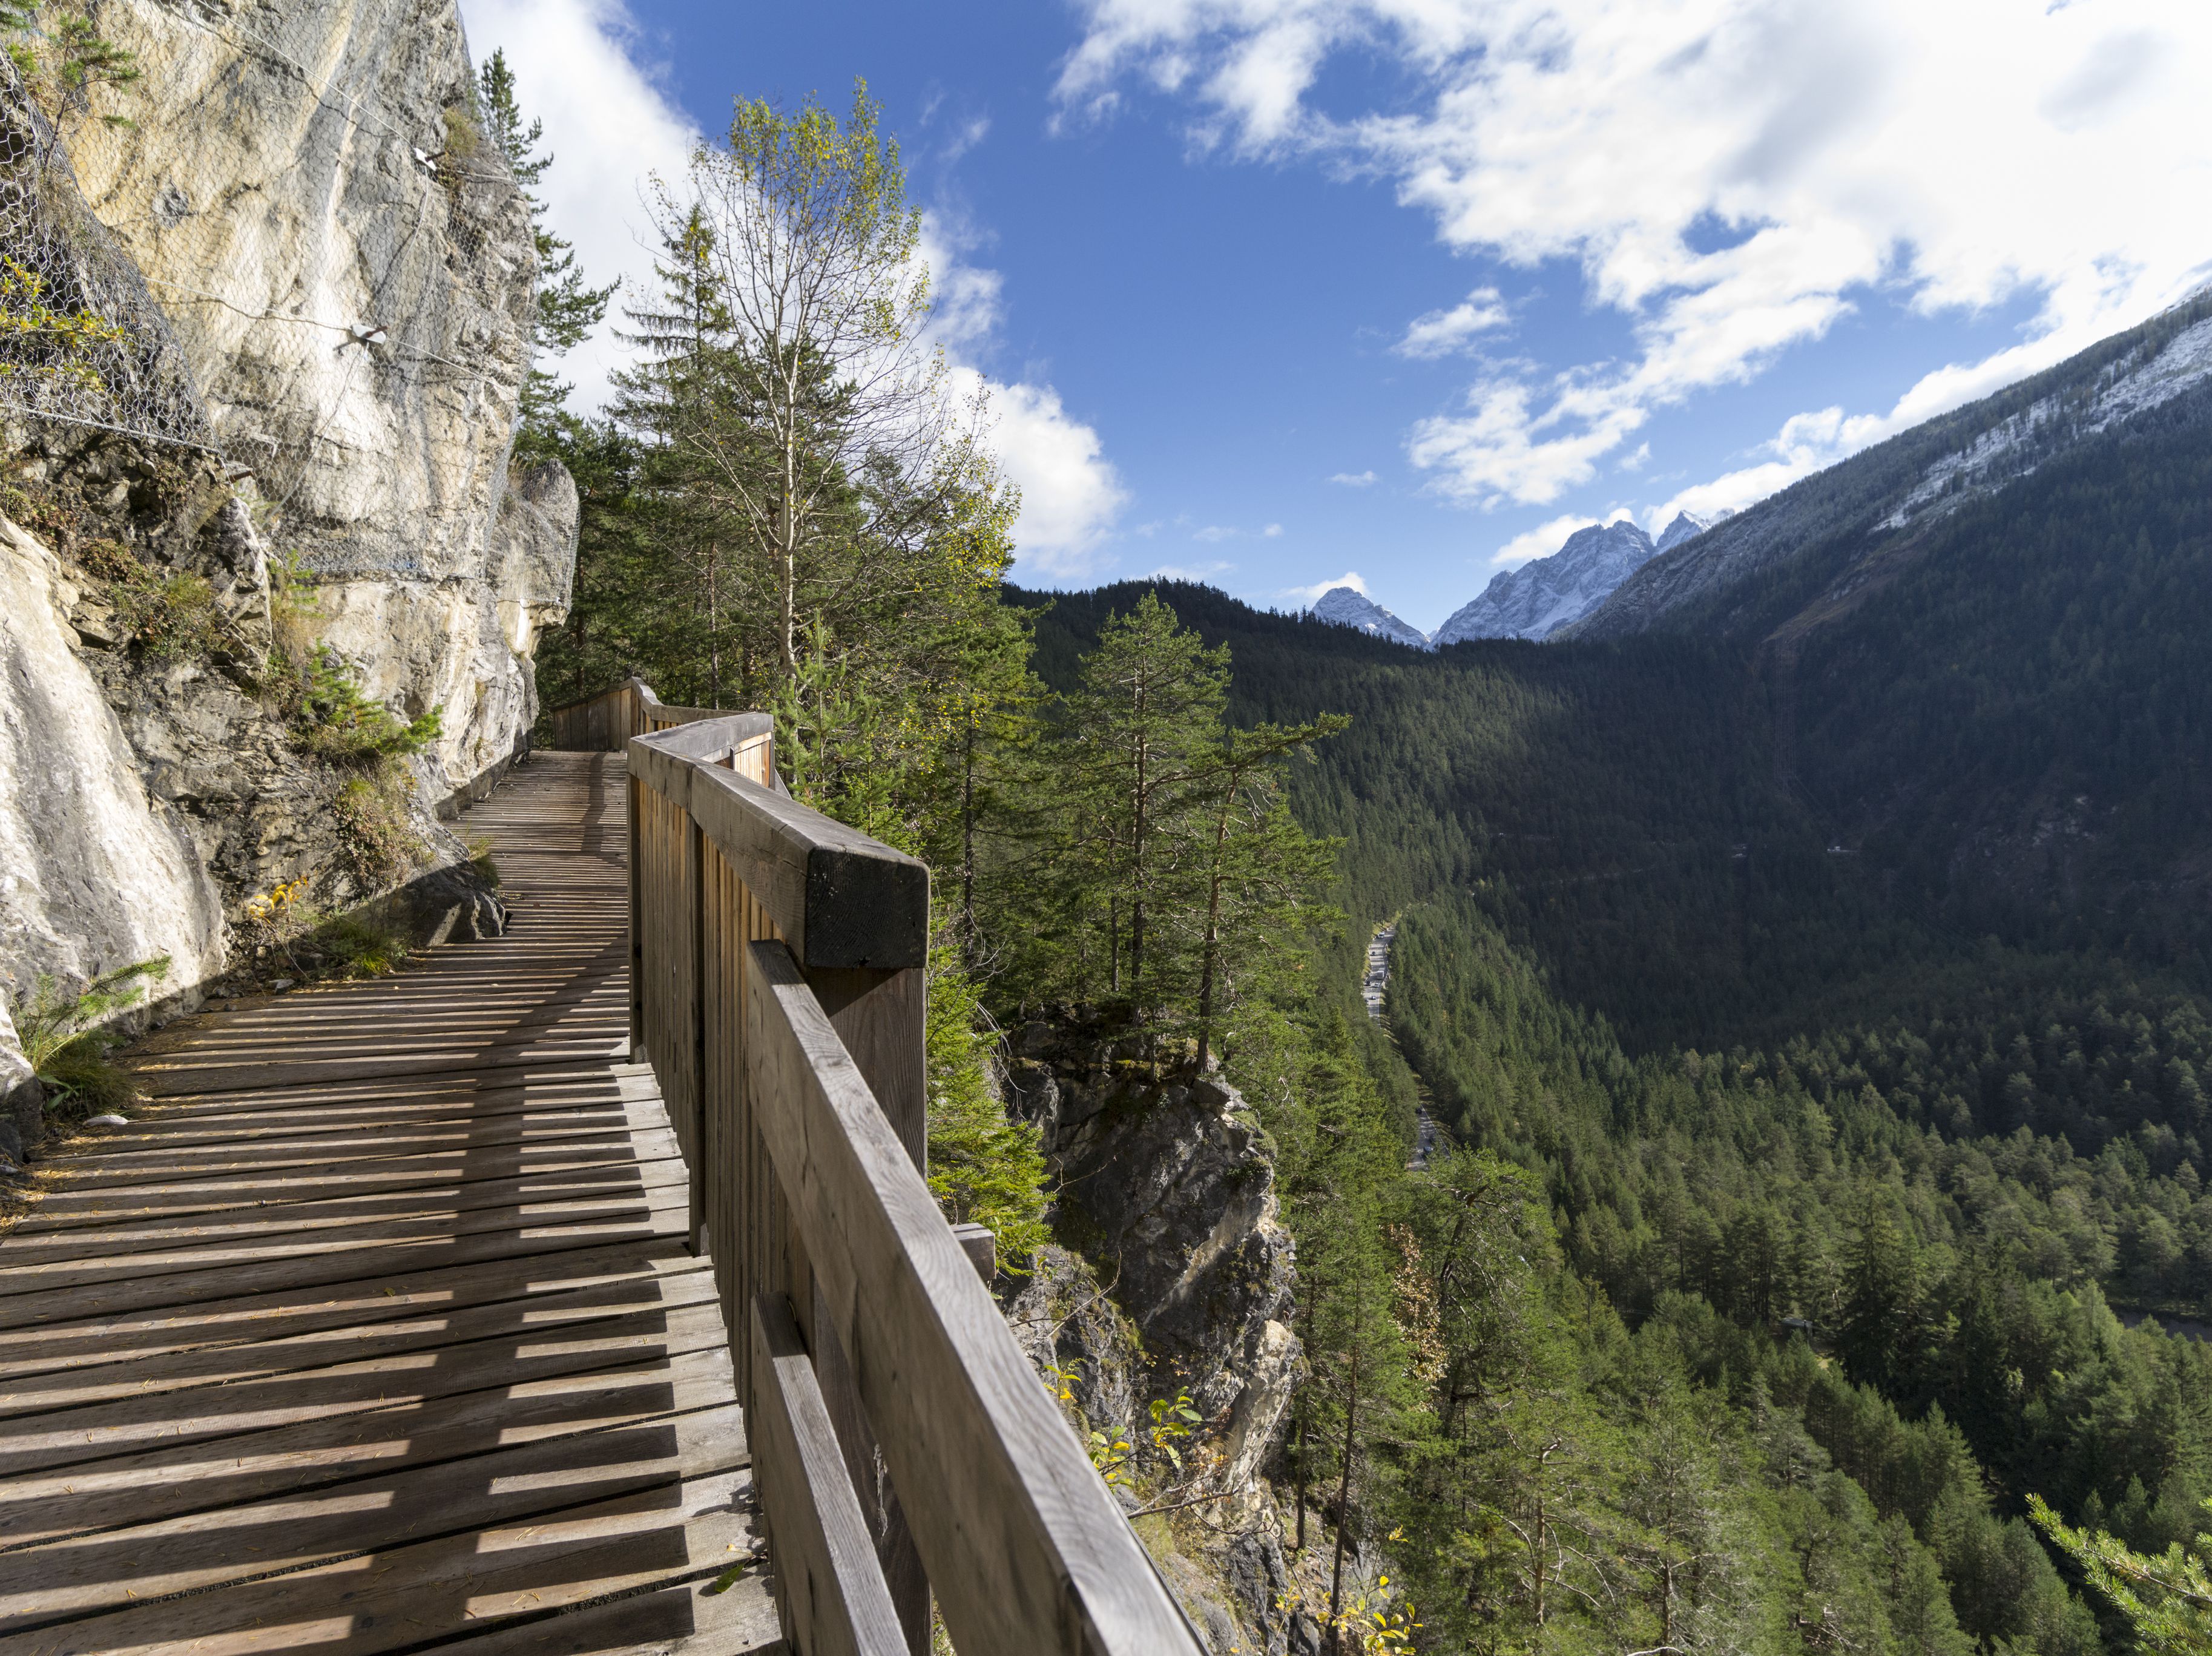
81	339
315	228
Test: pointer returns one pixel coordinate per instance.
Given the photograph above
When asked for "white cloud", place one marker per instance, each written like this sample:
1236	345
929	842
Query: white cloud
1948	157
608	123
1547	539
1214	534
1271	531
1451	333
1306	597
1070	494
1354	479
1187	572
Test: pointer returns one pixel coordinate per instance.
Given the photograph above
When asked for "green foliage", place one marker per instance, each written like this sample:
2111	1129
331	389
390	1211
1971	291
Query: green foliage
2168	1600
338	722
1151	865
985	1167
567	309
47	342
63	57
375	833
360	943
61	1035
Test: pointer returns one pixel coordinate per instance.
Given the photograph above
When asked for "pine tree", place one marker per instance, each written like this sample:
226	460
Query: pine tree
567	308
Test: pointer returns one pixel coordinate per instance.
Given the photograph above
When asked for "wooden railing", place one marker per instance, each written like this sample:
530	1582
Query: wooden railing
901	1444
605	723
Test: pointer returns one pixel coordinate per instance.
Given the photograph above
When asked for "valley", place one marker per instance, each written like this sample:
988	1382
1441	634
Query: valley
1820	928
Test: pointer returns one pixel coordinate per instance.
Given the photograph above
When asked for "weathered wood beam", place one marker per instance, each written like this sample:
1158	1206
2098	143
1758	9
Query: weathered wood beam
830	1593
1024	1544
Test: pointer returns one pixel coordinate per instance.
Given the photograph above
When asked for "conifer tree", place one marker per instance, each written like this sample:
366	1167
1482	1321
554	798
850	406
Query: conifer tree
567	308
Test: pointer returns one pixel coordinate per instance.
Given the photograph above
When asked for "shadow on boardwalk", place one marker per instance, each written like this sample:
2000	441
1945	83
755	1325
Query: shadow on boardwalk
376	1330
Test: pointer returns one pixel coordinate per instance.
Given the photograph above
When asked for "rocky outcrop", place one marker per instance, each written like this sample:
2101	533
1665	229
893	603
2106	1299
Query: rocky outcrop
1346	606
1166	1192
1540	598
97	870
348	269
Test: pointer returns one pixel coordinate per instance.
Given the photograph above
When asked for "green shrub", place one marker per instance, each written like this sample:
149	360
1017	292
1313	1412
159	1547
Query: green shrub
337	722
360	945
379	841
59	1029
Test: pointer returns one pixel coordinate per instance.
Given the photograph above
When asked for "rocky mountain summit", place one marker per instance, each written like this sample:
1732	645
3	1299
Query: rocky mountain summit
1347	606
1539	599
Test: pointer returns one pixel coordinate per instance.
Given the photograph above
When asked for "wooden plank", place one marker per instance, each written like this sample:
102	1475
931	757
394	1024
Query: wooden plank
353	1330
172	1480
401	1598
71	1437
338	1259
60	1346
75	1262
1024	1544
415	1197
830	1590
505	1486
366	1177
692	1618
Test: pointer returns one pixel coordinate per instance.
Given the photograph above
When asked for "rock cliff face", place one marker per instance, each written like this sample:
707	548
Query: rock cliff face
1174	1275
348	269
100	871
1164	1189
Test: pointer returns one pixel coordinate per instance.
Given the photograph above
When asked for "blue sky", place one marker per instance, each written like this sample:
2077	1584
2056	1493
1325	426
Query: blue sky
1274	292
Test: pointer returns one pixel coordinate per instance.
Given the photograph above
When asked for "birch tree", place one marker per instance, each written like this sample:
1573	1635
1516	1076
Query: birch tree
831	436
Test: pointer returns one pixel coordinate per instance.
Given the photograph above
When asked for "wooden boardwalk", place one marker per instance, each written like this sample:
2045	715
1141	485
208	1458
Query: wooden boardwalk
376	1330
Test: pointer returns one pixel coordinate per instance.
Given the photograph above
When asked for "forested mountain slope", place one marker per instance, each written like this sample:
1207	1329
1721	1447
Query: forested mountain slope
1855	517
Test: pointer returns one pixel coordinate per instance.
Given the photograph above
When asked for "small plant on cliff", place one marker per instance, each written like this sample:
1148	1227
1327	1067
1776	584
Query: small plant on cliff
378	842
45	341
62	1040
985	1167
339	723
62	57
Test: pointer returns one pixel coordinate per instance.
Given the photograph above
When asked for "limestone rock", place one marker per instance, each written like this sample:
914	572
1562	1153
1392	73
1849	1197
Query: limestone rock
22	1100
1167	1191
97	870
348	269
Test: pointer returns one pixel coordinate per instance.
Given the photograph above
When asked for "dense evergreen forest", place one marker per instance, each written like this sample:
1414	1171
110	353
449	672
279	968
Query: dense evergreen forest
1841	1117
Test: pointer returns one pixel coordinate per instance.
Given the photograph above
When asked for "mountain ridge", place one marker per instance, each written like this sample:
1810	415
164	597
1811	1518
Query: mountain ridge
1857	510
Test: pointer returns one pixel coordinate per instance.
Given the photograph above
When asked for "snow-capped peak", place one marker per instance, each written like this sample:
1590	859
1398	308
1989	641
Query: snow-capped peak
1347	606
1537	599
1680	529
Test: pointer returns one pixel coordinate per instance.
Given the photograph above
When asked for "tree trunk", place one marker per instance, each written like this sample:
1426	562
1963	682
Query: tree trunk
1344	1497
968	843
1213	932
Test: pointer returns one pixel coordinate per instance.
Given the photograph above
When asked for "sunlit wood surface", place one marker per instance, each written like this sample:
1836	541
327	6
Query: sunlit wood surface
375	1330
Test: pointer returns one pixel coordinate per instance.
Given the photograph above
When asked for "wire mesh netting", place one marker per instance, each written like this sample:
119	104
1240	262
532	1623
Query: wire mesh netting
344	262
81	339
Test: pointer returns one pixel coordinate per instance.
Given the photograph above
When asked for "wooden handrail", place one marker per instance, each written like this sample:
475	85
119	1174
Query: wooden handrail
604	723
901	1442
